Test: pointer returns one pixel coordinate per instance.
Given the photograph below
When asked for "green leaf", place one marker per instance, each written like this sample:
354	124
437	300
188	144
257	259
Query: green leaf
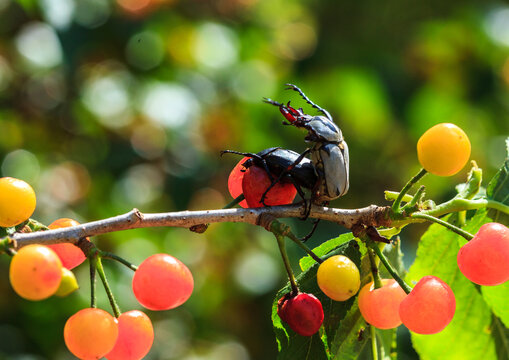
323	249
498	189
501	336
497	298
336	318
469	335
347	344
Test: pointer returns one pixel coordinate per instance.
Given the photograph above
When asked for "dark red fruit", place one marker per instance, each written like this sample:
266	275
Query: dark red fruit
256	182
484	260
303	313
235	181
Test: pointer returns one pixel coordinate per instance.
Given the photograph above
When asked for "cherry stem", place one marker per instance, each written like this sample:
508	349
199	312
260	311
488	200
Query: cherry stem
374	347
234	202
93	297
390	268
111	256
279	228
449	226
406	188
374	269
300	244
286	261
111	298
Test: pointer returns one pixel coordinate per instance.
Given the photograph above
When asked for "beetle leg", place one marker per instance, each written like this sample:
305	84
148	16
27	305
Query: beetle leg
315	225
256	156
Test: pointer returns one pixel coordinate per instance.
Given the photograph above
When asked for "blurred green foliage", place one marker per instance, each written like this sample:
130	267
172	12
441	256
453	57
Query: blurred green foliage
106	106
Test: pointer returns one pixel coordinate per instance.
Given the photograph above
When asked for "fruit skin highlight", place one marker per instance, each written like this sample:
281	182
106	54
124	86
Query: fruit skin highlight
35	272
380	307
338	277
162	282
303	313
444	149
17	201
90	333
429	307
484	260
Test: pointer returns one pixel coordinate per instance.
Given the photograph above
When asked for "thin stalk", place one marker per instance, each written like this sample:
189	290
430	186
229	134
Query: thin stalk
93	296
111	298
374	269
300	244
374	347
286	261
449	226
391	269
417	197
234	202
406	188
111	256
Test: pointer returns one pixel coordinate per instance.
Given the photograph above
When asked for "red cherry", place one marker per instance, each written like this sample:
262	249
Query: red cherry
380	307
303	313
235	181
162	282
135	336
90	333
484	260
256	182
429	307
70	255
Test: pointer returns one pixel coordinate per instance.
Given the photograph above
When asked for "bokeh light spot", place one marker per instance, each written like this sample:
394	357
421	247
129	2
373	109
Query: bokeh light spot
253	80
215	46
39	45
171	105
105	95
145	50
21	164
256	272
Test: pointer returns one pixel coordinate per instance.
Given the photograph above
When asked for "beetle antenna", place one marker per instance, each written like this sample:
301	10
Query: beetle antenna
322	110
272	102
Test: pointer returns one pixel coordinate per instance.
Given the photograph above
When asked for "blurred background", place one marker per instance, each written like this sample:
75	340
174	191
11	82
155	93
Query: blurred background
108	105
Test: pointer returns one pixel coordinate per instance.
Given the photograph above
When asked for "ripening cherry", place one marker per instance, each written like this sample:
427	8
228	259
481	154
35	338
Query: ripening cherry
444	149
235	181
256	182
70	254
484	260
90	333
429	307
17	201
135	336
35	272
380	307
162	282
303	313
339	278
68	284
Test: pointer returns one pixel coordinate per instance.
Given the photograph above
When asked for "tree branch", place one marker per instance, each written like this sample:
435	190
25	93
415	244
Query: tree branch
370	216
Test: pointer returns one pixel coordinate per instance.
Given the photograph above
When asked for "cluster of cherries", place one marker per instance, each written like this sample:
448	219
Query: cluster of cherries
443	150
36	272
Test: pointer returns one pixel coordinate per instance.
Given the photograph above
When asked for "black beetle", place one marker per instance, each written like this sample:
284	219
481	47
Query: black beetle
329	153
283	164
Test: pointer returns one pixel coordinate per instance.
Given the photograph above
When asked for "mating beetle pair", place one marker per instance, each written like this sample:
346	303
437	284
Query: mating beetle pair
326	174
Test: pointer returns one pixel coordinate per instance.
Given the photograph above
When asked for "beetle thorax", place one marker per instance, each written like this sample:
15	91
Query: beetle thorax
322	129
